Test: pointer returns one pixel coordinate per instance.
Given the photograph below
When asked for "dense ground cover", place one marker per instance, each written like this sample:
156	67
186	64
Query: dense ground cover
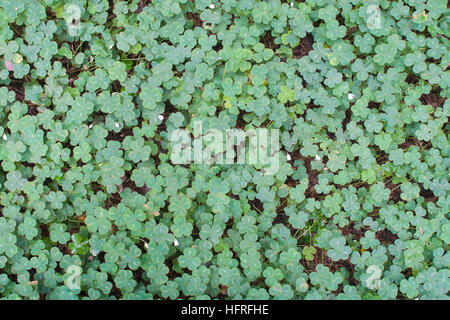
92	207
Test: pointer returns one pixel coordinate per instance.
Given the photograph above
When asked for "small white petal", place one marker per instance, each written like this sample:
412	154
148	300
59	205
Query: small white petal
325	168
175	243
292	4
5	137
90	126
211	6
317	157
351	96
110	47
146	245
116	124
161	117
288	156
